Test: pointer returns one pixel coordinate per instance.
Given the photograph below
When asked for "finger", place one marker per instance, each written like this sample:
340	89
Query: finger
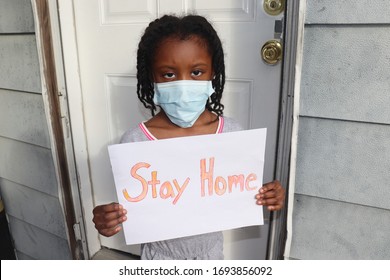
110	216
111	224
110	219
268	194
275	207
279	192
272	206
270	186
112	207
269	202
272	190
110	232
279	199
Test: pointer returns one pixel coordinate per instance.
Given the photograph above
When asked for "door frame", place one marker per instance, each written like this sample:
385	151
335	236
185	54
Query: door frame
68	40
63	10
54	94
292	49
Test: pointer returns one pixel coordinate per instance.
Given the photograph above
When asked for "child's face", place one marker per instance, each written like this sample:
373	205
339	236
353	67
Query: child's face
177	59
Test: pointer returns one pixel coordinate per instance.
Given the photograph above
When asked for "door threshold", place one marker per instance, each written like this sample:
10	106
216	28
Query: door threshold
110	254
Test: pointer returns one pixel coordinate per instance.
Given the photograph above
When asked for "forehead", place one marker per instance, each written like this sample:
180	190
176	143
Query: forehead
178	49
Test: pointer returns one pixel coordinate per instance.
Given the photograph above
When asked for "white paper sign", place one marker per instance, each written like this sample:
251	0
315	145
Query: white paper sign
192	185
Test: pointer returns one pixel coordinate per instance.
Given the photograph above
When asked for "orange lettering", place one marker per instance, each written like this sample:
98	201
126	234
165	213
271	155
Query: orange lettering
144	184
218	190
204	175
167	188
251	177
153	183
236	179
180	190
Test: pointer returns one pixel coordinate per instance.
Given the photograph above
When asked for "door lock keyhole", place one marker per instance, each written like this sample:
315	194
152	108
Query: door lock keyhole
271	52
273	7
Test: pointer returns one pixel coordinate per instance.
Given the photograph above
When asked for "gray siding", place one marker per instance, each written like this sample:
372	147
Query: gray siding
328	229
33	207
19	68
346	73
36	243
16	16
342	188
28	165
347	11
28	183
25	117
344	161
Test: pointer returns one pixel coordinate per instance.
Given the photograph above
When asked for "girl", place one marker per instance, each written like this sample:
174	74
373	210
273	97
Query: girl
180	68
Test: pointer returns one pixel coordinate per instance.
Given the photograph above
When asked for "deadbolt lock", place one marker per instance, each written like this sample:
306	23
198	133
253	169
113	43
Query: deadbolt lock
273	7
271	52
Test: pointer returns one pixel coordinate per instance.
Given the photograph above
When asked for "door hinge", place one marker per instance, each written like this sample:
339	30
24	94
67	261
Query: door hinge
67	126
64	112
77	231
78	253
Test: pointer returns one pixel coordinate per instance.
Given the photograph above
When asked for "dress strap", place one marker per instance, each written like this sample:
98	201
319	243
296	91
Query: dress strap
220	125
146	131
150	136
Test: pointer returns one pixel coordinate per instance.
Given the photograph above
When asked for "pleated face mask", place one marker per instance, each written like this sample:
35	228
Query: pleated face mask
183	101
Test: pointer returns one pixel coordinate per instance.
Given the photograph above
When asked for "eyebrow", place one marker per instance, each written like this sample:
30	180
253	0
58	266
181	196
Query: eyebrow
162	67
201	64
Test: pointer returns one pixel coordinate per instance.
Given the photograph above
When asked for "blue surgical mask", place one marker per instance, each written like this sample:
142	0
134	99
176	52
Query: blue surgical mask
183	101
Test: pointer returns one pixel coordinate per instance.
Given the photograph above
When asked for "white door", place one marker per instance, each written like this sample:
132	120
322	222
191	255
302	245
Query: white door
107	34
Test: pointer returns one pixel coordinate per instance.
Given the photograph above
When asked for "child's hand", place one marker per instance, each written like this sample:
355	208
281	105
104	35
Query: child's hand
272	195
107	218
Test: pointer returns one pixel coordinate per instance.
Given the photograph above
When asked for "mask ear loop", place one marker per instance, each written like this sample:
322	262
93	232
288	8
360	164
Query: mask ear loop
158	107
212	84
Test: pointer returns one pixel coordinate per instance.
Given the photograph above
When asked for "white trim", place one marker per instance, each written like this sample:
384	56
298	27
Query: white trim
54	24
294	138
79	228
75	101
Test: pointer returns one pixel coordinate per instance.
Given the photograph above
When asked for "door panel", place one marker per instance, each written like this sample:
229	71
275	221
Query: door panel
108	32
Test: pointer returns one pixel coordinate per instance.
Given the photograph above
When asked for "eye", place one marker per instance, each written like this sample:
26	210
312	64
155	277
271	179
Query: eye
197	73
169	75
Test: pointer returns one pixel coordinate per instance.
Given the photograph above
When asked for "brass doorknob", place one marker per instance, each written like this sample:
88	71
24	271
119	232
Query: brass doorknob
273	7
271	52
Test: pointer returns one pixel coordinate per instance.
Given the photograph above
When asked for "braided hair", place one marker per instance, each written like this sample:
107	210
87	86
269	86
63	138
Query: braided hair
183	28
